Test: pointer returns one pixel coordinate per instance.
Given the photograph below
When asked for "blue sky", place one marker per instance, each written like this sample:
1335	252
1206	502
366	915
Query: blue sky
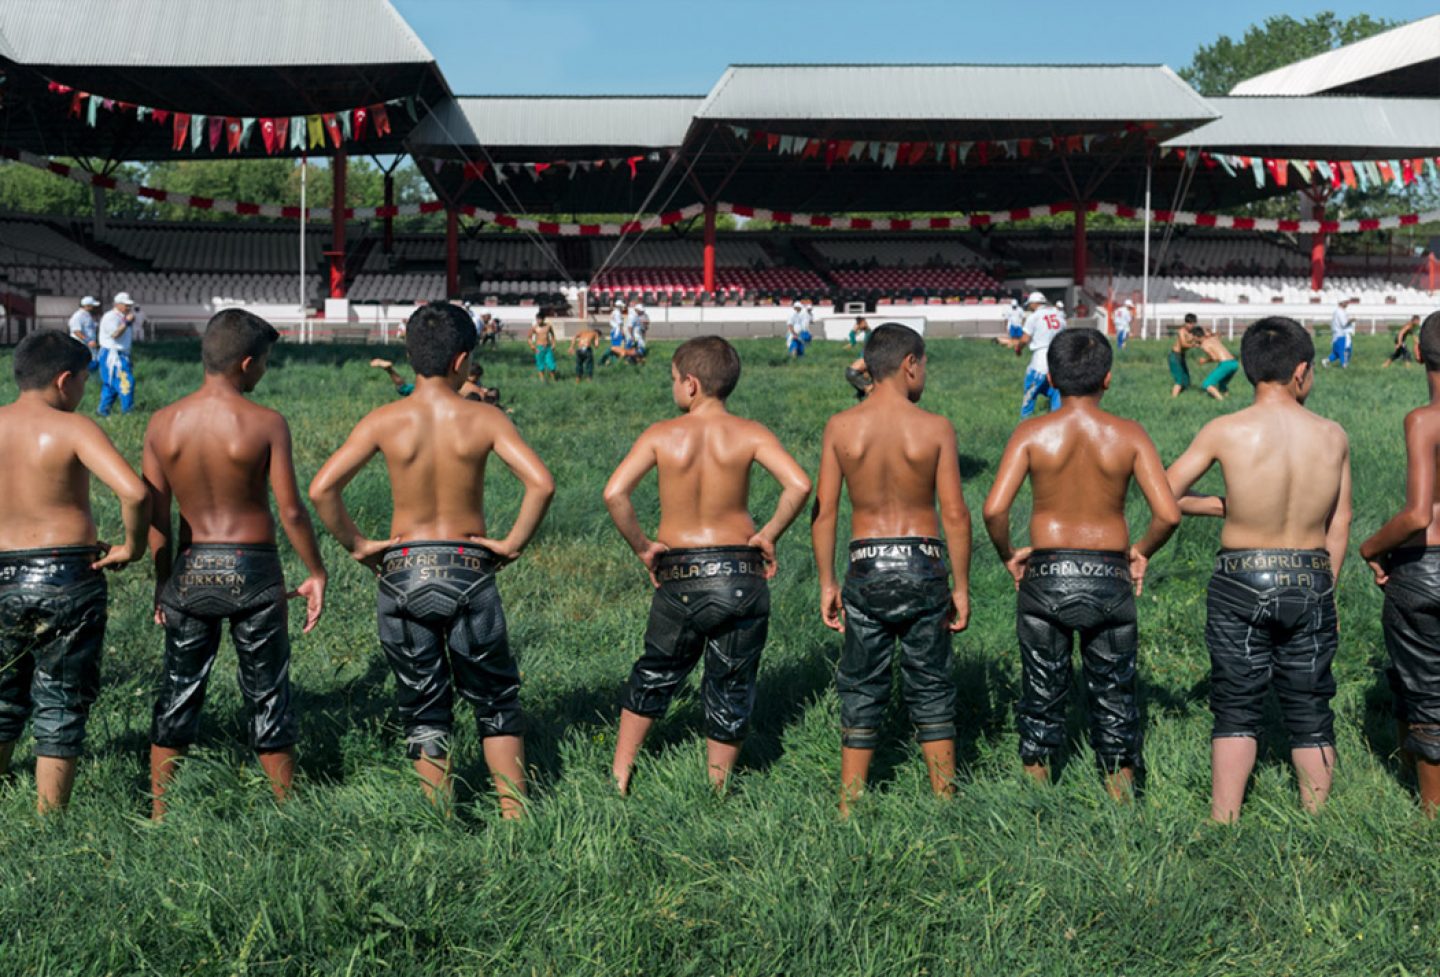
590	47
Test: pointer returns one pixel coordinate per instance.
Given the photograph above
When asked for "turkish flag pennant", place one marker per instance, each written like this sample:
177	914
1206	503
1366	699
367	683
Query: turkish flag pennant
282	131
831	151
1336	179
812	149
332	126
771	140
1026	145
843	148
77	104
1073	144
634	162
232	135
161	116
380	119
217	127
267	135
475	171
982	149
542	167
181	131
917	151
1407	171
360	115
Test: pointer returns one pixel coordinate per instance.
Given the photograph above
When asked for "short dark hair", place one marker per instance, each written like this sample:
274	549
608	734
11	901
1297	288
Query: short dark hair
233	334
1430	341
436	334
43	356
1197	330
712	361
887	347
1272	348
1079	360
1190	318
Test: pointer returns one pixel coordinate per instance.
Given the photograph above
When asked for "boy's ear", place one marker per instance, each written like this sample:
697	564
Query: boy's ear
62	379
246	363
1106	384
460	362
1300	370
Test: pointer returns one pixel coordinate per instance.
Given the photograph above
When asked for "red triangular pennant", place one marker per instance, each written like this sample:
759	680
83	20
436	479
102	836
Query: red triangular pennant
232	135
332	127
358	122
267	135
217	128
181	131
381	119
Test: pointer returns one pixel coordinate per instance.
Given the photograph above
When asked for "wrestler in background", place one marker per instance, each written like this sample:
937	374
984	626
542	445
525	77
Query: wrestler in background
218	456
582	347
440	618
1184	343
541	340
1270	610
1401	351
1405	556
1217	381
895	462
1083	574
708	563
857	374
52	594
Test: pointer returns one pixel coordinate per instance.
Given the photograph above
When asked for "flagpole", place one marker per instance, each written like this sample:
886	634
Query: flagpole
302	331
1145	270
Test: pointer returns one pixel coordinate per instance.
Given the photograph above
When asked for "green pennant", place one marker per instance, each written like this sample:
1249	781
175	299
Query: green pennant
345	123
245	126
197	132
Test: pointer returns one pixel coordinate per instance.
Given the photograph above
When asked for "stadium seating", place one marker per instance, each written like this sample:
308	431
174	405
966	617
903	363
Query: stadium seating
1261	289
757	282
37	243
661	253
213	247
930	252
177	288
916	279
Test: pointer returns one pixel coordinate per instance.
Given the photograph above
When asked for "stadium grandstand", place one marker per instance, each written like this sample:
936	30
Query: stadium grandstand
1087	134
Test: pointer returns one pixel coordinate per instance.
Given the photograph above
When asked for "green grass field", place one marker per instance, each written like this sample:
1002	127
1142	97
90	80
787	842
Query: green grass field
358	876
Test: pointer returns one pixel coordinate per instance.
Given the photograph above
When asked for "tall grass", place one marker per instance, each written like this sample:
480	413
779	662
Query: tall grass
359	876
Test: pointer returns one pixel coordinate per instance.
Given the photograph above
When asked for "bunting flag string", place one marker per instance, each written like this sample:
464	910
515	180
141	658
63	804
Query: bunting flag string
197	130
470	172
1355	174
951	152
654	221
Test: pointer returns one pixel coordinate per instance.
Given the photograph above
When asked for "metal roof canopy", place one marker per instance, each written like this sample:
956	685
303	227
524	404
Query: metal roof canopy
1402	61
1128	103
525	129
241	58
1319	127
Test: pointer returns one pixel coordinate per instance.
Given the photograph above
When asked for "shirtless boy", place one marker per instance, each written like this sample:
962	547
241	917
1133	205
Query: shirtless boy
708	563
218	456
1184	343
895	461
542	344
441	622
582	346
52	594
1217	381
1405	556
1270	618
1083	573
1402	351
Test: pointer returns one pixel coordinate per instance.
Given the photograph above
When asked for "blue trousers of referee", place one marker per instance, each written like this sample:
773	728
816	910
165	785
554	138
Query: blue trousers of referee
1340	348
117	381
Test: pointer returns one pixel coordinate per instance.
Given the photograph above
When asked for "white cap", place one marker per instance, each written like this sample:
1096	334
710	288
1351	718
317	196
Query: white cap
1129	303
639	305
1014	303
1059	303
619	304
90	302
797	303
1036	298
123	299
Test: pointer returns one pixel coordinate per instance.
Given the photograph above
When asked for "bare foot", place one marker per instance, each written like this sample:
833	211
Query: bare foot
380	364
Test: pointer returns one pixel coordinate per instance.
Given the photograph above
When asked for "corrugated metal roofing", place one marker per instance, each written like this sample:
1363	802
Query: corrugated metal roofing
652	122
1333	126
1402	47
954	92
5	50
191	33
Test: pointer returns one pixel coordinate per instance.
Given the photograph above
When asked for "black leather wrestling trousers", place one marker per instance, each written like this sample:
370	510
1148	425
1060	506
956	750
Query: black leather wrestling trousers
1088	593
713	602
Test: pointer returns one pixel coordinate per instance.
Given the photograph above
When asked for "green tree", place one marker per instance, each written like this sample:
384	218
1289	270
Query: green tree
1281	40
24	189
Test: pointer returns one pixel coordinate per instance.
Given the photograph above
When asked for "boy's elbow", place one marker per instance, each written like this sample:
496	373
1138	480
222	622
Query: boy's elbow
544	486
294	515
1416	520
